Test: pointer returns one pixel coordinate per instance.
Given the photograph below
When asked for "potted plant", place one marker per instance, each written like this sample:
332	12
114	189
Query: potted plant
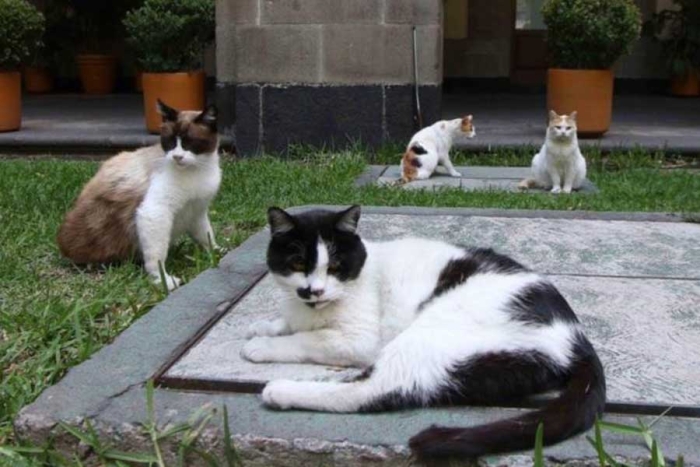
98	25
678	31
169	38
22	28
584	39
37	75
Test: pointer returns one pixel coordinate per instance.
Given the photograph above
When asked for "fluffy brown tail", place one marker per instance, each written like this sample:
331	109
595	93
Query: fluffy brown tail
573	412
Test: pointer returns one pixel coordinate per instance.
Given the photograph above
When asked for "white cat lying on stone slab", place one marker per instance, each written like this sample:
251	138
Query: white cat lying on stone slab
431	324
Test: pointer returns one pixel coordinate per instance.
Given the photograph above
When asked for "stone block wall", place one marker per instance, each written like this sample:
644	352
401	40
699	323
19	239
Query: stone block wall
325	72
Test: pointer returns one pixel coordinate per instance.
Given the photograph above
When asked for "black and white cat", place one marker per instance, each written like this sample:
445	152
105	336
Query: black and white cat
433	324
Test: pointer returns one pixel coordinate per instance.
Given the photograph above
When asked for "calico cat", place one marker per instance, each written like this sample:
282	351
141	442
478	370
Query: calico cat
139	202
431	146
559	166
433	324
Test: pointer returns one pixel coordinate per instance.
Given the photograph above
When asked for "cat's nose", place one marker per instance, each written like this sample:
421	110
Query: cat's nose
317	292
178	157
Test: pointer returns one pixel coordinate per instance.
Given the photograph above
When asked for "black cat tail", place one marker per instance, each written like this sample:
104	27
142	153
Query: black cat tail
573	412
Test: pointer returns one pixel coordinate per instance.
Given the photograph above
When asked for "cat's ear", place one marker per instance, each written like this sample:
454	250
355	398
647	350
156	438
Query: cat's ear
169	114
573	115
552	115
280	222
467	119
208	117
346	221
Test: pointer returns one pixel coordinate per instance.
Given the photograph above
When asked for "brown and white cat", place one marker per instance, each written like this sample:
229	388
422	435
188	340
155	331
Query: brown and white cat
559	166
141	201
431	146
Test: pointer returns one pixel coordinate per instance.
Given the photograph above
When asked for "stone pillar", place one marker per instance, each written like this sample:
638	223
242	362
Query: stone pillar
325	72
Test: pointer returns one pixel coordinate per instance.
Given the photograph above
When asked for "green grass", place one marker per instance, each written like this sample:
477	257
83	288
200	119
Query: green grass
54	315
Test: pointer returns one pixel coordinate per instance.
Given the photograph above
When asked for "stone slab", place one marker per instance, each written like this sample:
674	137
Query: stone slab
109	390
645	330
473	178
562	246
515	173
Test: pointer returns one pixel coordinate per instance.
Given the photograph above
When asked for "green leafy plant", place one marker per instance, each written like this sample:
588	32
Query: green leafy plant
171	35
22	26
590	34
678	32
605	459
96	26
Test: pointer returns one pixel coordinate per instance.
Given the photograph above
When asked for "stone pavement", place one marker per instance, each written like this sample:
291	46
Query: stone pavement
645	121
473	178
62	123
634	279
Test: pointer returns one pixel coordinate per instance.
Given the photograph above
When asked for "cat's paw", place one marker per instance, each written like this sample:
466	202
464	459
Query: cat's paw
566	189
257	350
222	250
455	174
556	190
280	394
260	328
171	281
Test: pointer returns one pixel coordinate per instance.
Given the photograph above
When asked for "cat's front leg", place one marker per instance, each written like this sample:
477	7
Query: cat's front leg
556	181
568	181
450	168
154	227
325	347
202	233
277	327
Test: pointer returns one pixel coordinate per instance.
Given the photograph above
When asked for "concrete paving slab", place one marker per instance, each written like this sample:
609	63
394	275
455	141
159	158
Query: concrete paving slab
642	329
473	178
517	173
562	246
108	389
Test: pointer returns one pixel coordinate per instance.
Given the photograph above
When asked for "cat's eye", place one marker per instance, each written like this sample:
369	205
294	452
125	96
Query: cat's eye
297	266
558	127
333	267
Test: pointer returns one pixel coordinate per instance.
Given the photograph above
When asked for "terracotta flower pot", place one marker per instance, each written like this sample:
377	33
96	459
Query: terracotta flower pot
183	91
10	100
37	80
688	85
97	73
588	92
138	81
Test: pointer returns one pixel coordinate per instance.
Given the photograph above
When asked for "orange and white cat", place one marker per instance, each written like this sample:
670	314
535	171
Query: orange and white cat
431	146
559	166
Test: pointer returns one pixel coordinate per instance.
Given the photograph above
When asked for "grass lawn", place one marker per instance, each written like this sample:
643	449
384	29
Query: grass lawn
54	315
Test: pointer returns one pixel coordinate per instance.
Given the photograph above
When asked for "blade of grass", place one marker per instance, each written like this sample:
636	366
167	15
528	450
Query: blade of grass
599	443
131	457
230	452
619	428
539	456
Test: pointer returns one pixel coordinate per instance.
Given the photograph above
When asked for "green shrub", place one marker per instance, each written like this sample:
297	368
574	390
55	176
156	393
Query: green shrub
21	28
170	35
590	34
678	31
